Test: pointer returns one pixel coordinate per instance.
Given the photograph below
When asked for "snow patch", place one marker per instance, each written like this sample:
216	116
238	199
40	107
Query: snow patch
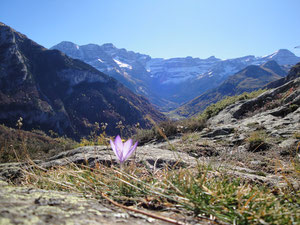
122	65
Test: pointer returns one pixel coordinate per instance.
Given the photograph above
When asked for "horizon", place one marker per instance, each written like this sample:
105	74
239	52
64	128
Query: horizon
162	29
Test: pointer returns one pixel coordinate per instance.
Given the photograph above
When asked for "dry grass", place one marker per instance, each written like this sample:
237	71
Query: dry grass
203	191
35	144
169	129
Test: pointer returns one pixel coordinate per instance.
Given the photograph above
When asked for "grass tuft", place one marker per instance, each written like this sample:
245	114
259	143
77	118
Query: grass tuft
257	141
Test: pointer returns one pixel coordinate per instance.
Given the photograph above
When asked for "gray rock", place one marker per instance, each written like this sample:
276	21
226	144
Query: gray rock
25	205
288	143
238	110
280	122
150	155
219	132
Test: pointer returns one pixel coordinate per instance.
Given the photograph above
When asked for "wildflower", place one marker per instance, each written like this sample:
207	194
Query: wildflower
19	123
120	125
122	151
103	126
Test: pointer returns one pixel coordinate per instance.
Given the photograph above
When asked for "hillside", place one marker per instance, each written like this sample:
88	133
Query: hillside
247	80
52	91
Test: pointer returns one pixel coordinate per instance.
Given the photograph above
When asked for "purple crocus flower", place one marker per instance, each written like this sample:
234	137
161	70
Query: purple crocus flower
122	151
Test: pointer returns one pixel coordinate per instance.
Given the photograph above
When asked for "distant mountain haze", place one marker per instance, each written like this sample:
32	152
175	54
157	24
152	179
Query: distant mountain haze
167	83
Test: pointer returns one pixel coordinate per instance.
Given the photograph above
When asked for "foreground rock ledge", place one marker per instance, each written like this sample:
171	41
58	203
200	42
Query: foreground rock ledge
151	156
24	205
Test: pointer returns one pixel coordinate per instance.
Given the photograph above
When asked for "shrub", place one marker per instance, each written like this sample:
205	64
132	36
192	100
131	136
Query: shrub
144	135
16	144
257	141
214	109
169	128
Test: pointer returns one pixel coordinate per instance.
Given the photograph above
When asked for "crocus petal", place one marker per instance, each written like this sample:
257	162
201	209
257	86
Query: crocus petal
129	153
114	149
119	147
119	143
122	151
127	147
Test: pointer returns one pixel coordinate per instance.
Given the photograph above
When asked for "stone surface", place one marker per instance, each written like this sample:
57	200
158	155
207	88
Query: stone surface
25	205
281	122
150	155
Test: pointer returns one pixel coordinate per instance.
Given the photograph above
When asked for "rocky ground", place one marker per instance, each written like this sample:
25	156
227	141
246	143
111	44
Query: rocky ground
256	140
26	205
23	205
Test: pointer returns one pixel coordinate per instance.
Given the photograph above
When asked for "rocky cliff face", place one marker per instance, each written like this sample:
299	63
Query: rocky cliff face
54	92
177	80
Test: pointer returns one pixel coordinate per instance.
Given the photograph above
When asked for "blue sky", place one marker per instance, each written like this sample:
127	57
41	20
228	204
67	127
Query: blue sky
162	28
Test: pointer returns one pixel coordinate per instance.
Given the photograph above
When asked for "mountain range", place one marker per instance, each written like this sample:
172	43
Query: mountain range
247	80
52	91
167	83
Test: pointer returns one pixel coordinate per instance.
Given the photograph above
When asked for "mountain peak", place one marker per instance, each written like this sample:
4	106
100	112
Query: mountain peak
66	45
212	57
4	25
271	63
283	56
8	34
275	67
283	52
108	46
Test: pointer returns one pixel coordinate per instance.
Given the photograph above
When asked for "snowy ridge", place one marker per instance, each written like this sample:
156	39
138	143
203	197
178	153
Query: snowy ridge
174	70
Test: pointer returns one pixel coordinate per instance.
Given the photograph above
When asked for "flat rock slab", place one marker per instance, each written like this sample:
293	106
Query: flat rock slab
24	205
151	156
